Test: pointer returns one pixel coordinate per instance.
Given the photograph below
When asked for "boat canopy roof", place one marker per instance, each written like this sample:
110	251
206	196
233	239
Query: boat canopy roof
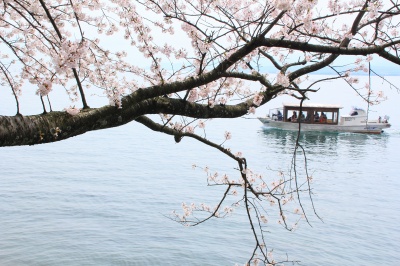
312	105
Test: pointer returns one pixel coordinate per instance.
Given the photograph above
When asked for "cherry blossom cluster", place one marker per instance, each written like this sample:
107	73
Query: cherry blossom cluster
69	55
277	196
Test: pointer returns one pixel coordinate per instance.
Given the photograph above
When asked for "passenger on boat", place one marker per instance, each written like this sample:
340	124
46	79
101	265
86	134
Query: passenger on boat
322	119
316	117
280	116
294	117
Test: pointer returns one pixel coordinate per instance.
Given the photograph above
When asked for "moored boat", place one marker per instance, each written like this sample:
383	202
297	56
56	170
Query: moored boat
323	117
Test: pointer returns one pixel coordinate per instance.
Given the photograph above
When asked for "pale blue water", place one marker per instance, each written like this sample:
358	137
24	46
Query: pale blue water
100	199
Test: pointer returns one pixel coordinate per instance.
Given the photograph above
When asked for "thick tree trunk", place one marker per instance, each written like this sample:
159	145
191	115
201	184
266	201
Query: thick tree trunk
56	126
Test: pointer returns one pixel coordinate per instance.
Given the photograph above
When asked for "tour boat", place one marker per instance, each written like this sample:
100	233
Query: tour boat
323	117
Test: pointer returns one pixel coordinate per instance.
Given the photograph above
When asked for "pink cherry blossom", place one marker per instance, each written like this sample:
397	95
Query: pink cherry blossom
72	110
227	135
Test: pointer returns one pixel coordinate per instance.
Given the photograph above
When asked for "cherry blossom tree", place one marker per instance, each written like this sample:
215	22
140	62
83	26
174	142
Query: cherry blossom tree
173	64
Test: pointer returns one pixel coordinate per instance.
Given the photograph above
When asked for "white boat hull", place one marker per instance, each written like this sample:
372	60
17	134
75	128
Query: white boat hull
370	128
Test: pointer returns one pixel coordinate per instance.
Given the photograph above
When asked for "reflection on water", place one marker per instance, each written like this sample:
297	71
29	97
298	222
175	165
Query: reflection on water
327	143
288	136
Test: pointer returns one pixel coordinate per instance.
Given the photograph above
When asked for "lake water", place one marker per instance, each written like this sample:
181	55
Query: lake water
102	198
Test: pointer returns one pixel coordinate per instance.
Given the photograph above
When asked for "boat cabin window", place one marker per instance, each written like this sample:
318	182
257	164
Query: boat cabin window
311	115
326	117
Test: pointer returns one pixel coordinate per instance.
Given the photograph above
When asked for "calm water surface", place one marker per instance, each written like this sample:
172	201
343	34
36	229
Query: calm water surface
101	199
